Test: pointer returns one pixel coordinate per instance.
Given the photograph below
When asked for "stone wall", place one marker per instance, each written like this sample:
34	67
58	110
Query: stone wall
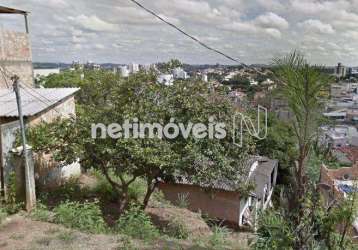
15	57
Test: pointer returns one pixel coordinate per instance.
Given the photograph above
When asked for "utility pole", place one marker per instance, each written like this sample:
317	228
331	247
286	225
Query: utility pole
29	174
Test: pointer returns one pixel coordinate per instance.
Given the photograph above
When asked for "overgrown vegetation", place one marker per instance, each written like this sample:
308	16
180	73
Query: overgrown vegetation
3	214
107	98
135	223
85	217
304	220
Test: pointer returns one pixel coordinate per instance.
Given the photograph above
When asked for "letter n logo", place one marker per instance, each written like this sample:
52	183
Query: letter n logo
241	122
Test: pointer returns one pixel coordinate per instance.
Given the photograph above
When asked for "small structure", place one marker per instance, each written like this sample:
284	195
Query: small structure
222	199
39	105
166	79
337	185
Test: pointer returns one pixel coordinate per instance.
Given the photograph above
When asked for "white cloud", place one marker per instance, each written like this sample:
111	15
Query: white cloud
272	4
123	32
318	7
93	23
275	33
313	25
272	20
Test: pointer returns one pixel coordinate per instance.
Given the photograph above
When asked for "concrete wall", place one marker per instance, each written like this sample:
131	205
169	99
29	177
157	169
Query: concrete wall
16	56
217	204
65	109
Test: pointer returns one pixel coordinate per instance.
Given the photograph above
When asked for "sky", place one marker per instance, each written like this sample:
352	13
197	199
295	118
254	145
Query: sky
253	31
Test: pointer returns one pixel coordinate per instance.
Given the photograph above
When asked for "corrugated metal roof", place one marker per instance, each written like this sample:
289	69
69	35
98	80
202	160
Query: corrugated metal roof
33	100
6	10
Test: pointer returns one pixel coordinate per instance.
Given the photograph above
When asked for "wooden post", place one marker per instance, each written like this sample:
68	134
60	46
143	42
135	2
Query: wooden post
29	175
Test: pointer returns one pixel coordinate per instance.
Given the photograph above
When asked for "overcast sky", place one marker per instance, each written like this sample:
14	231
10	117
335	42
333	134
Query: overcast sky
254	31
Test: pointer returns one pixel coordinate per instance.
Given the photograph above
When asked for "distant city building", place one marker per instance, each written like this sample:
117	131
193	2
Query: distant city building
353	71
92	66
341	71
133	68
45	72
76	66
179	73
204	77
124	71
166	79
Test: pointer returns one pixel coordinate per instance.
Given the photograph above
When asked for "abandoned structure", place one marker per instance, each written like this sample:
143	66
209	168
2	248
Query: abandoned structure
222	199
38	105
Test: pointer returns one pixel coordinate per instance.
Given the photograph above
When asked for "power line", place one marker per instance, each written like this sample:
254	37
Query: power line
2	69
7	73
27	89
188	35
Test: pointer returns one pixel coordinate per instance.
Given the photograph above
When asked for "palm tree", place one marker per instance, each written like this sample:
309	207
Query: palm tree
302	86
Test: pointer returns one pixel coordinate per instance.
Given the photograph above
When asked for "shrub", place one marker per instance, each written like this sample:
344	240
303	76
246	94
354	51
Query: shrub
12	205
41	213
85	217
177	229
3	214
274	232
219	237
135	223
136	190
183	201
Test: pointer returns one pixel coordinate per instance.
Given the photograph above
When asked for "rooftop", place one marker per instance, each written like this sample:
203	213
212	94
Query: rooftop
6	10
264	168
33	100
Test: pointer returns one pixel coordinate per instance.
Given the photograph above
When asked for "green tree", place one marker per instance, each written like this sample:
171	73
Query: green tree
301	87
123	160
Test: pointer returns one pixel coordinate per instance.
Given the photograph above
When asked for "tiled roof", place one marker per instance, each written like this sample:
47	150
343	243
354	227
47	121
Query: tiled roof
264	169
33	100
351	152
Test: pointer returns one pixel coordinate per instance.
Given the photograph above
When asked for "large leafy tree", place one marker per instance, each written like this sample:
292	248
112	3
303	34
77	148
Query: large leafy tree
123	160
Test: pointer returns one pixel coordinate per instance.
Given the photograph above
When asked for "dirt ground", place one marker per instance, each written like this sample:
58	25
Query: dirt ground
21	233
18	232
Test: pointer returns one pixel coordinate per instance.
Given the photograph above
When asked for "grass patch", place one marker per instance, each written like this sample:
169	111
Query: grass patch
177	229
85	217
3	214
44	241
135	223
219	238
17	236
66	236
41	213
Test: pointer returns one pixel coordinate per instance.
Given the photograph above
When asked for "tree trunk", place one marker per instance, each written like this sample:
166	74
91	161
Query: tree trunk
150	189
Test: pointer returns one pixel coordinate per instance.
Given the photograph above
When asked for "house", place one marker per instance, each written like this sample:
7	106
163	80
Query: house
337	185
38	105
335	137
166	79
179	73
222	199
